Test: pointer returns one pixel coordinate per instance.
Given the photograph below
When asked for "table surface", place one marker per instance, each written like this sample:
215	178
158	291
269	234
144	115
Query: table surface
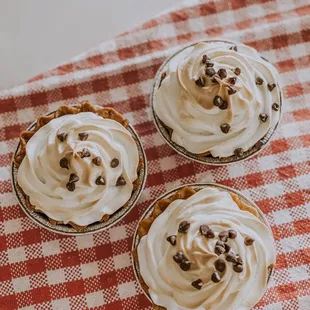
37	35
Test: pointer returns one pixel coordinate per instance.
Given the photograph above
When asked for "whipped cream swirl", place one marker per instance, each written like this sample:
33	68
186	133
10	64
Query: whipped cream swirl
171	287
185	104
79	139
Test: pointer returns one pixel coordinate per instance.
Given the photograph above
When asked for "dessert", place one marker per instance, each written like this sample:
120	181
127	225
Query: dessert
78	165
204	249
217	98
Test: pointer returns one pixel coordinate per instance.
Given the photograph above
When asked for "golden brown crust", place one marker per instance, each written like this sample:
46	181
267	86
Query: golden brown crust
243	206
85	106
160	206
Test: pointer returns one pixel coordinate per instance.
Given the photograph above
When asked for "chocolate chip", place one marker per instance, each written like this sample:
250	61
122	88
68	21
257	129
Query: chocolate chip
100	180
97	161
234	48
271	86
64	163
178	257
214	80
203	229
227	247
219	250
231	257
215	277
248	241
183	227
220	243
239	259
225	128
62	137
70	186
210	234
222	73
231	91
232	80
114	163
259	144
259	81
237	268
172	240
185	265
162	77
73	178
210	64
263	117
237	71
232	234
220	265
218	101
84	153
224	105
210	72
197	284
120	181
275	106
238	152
204	59
200	82
223	236
83	136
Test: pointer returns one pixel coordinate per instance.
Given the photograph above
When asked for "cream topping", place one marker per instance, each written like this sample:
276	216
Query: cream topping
171	287
188	108
45	182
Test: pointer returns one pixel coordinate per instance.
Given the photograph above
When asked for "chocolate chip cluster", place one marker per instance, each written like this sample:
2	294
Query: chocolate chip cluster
221	248
97	161
179	257
216	77
220	102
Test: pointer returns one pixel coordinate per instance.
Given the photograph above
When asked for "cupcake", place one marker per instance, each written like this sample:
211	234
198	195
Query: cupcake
217	101
79	165
204	248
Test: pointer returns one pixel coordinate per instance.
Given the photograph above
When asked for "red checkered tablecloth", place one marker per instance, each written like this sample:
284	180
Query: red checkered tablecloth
43	270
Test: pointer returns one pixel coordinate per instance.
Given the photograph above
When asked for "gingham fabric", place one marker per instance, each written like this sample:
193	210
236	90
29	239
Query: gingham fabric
43	270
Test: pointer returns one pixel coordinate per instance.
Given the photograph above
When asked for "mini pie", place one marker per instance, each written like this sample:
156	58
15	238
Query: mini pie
78	165
204	249
220	99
